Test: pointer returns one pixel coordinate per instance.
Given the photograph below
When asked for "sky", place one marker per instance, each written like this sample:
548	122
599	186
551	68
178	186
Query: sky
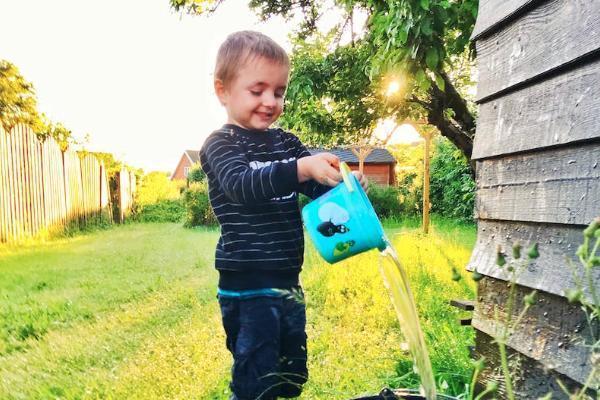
133	75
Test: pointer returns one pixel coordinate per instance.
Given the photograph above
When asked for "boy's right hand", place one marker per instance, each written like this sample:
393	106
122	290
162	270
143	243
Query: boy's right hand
322	167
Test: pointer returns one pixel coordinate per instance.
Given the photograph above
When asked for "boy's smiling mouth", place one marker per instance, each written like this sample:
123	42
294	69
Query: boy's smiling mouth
264	115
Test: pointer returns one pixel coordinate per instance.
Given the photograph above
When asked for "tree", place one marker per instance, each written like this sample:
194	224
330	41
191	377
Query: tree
414	42
18	103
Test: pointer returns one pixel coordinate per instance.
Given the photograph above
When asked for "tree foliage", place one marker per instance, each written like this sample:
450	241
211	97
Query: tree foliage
321	106
18	105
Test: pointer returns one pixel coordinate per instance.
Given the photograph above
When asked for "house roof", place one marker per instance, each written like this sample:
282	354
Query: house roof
377	156
193	155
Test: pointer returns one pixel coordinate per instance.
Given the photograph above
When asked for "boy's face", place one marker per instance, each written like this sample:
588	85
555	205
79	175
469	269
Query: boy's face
254	99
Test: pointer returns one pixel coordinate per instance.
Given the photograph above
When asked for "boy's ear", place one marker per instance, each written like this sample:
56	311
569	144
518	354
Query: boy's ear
221	91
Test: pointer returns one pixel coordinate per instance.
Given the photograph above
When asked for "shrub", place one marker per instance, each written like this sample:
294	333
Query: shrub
156	186
198	209
195	174
387	201
162	211
452	185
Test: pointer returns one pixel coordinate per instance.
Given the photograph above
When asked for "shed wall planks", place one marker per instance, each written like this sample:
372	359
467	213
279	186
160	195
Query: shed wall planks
534	380
552	332
537	152
554	112
549	36
551	272
492	13
554	186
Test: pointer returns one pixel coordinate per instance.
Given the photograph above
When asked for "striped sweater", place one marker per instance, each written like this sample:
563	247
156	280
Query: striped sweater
253	185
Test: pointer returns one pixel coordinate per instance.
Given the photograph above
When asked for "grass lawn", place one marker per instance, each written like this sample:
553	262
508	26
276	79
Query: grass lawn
130	313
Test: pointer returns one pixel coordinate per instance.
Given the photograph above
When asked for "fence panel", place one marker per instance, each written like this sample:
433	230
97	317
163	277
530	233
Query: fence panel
43	188
5	231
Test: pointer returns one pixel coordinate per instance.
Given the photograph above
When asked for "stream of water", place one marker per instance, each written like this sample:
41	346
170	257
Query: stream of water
396	282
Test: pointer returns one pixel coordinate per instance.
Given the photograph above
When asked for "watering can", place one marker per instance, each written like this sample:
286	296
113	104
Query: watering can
342	222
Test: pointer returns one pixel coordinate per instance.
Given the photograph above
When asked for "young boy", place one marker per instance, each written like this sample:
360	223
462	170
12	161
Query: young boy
254	174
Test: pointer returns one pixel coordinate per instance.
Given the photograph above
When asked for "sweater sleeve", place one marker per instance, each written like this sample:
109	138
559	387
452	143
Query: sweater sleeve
311	188
240	183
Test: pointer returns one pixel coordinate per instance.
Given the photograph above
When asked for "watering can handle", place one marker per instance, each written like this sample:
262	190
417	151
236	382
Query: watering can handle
345	170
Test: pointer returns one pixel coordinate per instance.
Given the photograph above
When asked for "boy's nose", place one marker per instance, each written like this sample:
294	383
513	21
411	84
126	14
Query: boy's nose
269	100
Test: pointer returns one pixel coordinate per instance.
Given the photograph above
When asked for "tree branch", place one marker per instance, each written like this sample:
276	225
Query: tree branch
454	101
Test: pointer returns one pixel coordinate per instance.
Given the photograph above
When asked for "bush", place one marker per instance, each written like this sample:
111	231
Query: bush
387	201
155	187
197	205
452	185
162	211
195	175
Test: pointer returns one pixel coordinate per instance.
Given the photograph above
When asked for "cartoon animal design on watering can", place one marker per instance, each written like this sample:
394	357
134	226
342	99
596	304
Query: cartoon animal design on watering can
334	217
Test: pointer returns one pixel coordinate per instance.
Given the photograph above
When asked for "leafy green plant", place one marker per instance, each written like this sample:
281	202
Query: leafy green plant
168	210
158	199
388	201
197	204
195	174
156	186
452	185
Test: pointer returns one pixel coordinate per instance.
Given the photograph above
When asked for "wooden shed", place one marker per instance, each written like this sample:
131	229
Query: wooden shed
379	166
537	153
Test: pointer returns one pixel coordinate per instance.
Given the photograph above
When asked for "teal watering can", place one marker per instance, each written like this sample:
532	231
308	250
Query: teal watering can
342	222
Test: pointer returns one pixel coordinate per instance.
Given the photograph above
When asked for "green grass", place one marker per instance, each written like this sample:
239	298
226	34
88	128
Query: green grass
131	313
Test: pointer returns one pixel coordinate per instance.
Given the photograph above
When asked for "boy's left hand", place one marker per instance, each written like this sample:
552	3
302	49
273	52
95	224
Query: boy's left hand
364	182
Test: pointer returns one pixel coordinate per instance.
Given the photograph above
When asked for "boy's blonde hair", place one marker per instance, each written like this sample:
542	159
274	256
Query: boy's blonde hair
240	47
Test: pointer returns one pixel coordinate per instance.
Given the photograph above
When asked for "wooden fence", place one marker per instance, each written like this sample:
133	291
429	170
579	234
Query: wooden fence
44	189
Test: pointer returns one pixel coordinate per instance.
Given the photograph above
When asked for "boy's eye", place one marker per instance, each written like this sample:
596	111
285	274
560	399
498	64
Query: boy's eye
278	94
255	92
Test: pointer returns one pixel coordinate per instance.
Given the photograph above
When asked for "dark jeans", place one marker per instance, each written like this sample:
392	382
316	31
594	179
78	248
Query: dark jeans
266	337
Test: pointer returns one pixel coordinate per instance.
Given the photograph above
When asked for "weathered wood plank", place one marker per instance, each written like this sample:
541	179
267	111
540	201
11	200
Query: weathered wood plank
569	29
553	112
17	167
553	332
561	164
556	186
550	272
497	12
535	380
11	194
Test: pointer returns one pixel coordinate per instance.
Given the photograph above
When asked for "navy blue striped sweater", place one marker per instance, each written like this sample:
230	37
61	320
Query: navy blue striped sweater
253	186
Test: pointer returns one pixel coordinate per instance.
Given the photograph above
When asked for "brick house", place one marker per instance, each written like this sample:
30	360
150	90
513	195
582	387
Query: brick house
188	158
379	165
